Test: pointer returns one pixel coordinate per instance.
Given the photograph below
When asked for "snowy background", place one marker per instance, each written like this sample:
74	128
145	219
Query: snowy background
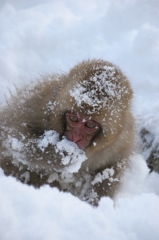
47	36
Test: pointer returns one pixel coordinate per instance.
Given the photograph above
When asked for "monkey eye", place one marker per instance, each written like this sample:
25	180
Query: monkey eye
90	125
73	118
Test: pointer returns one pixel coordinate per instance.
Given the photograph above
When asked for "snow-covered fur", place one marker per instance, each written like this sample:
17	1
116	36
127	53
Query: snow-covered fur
33	147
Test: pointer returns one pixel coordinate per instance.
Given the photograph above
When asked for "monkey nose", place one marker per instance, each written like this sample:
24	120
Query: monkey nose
77	137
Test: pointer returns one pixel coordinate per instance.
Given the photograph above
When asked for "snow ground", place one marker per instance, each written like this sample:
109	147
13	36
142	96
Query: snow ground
46	36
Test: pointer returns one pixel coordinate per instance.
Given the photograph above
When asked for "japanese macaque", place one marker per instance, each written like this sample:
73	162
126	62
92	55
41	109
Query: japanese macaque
151	147
71	131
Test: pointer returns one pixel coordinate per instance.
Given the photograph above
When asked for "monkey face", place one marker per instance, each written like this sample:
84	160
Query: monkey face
80	129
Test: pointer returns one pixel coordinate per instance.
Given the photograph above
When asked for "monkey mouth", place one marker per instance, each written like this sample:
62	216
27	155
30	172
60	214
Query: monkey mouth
81	145
77	142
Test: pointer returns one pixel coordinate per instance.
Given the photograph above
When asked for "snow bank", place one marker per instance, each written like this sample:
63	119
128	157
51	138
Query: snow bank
50	214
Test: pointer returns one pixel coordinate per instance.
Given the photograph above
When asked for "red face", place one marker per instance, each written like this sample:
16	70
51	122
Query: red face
80	129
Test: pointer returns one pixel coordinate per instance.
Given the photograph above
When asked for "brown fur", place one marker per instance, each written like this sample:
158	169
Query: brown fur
32	111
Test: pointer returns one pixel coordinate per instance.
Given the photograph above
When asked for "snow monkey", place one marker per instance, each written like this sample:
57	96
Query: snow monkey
71	131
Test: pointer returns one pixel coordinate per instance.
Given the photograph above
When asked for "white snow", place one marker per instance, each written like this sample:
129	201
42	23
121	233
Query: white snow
47	36
71	162
80	93
107	173
101	92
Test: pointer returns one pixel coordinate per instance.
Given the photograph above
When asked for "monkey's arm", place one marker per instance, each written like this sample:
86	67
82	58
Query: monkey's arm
103	183
23	174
